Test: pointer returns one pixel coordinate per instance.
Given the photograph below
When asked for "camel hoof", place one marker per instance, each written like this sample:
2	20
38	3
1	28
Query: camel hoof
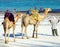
36	37
22	37
32	36
14	40
6	42
4	34
27	37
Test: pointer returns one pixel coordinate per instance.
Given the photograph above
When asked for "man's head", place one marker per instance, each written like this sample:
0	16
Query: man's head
7	11
54	17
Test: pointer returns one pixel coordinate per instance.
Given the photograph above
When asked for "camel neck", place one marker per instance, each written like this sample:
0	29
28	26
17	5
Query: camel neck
16	18
45	13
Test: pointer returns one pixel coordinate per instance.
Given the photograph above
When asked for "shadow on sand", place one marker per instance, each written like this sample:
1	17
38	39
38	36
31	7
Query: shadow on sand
18	34
44	34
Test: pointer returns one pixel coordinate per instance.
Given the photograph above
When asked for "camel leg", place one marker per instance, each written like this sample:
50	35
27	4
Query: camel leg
36	29
6	41
23	28
26	32
33	32
14	31
4	30
5	38
8	36
4	26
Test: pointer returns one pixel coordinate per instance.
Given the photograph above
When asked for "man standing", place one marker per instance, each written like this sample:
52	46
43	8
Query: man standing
54	22
28	12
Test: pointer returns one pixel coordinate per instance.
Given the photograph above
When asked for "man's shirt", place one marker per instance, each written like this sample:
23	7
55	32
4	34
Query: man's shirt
53	22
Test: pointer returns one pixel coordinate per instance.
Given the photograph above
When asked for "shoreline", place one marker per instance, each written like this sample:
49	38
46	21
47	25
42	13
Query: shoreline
26	11
50	13
41	11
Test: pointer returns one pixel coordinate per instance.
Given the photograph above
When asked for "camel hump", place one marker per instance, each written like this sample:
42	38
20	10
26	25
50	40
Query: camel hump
36	17
10	16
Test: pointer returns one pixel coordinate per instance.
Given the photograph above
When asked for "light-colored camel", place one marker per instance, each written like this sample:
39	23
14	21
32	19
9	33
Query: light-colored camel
7	24
28	20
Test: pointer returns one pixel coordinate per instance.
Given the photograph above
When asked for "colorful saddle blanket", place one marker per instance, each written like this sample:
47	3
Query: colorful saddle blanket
10	16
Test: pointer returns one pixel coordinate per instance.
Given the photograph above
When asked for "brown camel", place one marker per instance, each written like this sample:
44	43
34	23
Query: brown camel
26	20
7	24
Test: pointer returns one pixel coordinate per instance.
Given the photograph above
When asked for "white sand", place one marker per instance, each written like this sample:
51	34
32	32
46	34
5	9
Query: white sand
44	33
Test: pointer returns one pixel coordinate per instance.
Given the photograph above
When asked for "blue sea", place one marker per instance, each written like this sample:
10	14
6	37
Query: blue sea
23	5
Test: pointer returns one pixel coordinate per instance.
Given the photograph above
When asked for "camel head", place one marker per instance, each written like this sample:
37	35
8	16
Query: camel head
47	9
19	15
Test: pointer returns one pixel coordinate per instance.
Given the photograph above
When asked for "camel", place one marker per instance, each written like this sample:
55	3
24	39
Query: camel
7	24
28	20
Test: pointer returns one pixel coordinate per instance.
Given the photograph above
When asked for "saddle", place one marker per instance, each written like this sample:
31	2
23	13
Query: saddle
10	16
34	14
35	17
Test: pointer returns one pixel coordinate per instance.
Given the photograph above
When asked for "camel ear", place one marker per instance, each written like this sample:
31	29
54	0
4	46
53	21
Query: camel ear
49	9
44	9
